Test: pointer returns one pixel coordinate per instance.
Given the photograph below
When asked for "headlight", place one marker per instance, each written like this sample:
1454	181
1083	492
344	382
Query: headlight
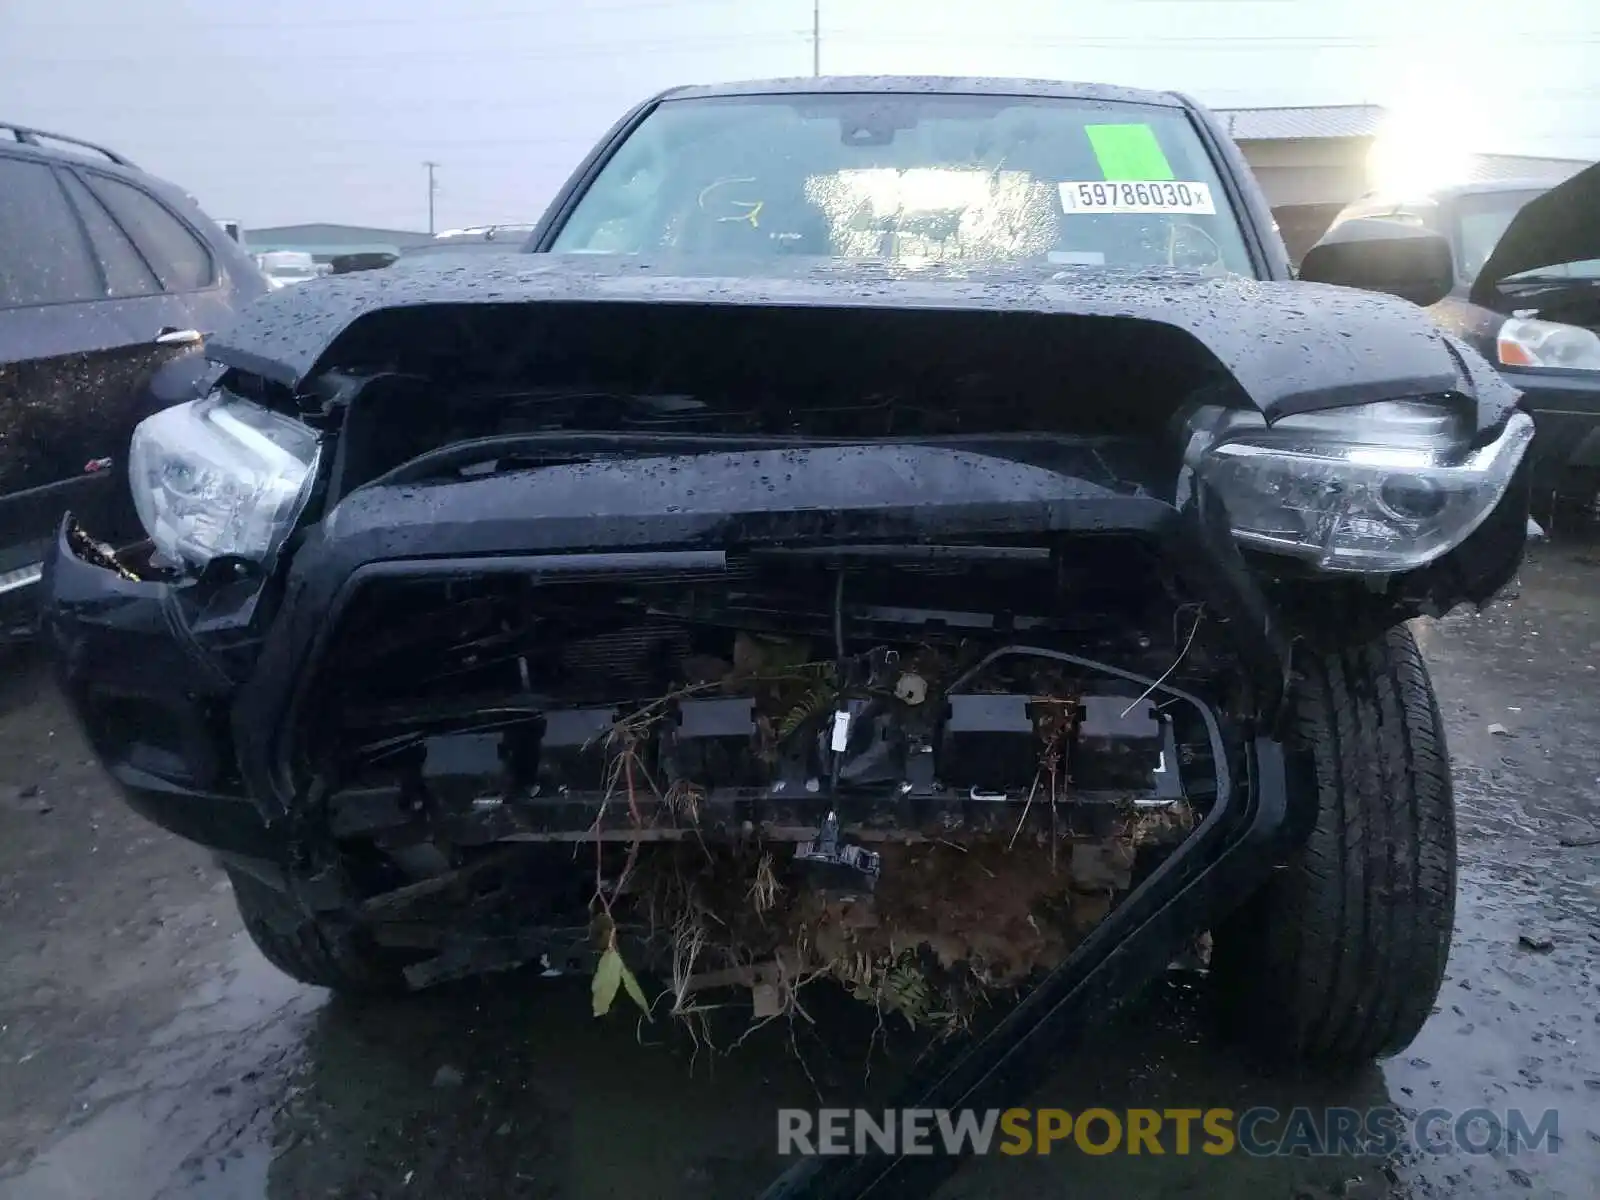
1376	488
1527	343
220	476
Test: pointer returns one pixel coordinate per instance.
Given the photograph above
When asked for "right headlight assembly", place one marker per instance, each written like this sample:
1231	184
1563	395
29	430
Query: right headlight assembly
220	476
1376	488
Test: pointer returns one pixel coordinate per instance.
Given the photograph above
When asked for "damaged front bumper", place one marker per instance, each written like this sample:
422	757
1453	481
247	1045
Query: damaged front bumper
204	711
1010	635
151	698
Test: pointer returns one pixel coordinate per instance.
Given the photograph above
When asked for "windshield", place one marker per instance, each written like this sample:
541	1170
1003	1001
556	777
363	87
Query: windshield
1481	221
909	178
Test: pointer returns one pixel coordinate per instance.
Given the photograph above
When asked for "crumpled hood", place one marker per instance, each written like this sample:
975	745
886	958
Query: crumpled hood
1561	226
1292	347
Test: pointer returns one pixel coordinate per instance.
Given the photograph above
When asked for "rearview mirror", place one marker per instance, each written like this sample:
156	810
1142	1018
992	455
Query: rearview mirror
1377	255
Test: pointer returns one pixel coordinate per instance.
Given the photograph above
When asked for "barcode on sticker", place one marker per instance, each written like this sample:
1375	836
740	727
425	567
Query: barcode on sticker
1159	197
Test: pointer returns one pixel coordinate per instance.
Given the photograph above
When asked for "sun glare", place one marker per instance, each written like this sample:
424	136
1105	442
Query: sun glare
1431	133
1416	151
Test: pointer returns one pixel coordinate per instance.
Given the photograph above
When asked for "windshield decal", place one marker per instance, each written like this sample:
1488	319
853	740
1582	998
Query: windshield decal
1128	152
1187	197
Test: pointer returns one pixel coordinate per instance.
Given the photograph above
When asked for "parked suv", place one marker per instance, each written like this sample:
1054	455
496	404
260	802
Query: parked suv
1526	259
107	276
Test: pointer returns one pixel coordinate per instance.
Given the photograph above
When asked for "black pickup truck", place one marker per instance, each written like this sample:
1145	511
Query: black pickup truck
910	533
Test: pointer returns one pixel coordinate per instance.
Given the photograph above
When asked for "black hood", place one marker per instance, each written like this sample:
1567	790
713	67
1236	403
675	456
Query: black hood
1292	347
1561	226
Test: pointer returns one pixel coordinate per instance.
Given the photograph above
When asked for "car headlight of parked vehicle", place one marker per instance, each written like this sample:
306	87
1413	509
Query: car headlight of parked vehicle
1524	342
1375	488
220	476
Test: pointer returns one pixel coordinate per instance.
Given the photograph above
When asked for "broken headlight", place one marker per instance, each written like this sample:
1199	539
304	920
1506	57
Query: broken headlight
220	476
1374	488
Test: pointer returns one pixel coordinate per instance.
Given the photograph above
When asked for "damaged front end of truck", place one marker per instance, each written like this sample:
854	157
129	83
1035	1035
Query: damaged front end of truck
875	633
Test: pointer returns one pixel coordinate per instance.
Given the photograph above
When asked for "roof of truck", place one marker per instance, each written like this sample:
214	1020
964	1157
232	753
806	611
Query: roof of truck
955	85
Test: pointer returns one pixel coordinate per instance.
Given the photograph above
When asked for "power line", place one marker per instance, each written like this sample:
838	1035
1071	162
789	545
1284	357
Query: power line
544	51
613	49
434	21
590	8
1266	41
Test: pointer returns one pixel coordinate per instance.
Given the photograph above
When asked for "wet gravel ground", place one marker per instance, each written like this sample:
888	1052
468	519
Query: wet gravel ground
147	1051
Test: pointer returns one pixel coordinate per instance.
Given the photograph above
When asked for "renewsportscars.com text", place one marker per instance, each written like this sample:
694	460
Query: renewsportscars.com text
1259	1132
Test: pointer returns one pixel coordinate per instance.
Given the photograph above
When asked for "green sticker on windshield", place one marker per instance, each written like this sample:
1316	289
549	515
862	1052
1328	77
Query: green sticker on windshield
1128	152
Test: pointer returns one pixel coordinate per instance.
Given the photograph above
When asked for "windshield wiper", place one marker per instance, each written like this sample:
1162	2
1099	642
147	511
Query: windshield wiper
1546	275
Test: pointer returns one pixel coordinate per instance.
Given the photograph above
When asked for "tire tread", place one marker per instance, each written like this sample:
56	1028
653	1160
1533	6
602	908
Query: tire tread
1340	958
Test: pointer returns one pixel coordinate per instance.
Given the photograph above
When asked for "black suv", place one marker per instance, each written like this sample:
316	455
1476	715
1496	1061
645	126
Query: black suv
106	276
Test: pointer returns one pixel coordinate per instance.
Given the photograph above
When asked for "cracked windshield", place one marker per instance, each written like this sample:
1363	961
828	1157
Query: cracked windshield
911	180
695	600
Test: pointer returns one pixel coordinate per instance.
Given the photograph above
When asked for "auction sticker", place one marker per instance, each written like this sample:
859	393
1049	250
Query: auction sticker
1164	196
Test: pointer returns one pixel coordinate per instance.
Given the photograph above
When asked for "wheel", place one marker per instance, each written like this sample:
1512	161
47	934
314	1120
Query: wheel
311	951
1338	959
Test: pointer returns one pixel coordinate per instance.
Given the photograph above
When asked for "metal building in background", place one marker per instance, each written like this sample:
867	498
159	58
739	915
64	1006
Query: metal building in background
1311	161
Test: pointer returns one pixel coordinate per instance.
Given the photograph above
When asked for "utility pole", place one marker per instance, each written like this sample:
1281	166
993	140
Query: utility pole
816	37
432	188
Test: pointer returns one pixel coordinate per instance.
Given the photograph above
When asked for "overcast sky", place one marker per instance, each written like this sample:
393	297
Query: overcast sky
325	109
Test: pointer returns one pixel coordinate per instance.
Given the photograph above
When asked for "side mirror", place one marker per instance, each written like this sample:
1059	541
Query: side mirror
344	264
1383	256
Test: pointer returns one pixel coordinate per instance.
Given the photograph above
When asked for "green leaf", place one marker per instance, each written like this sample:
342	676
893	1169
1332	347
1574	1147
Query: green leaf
608	974
908	993
633	988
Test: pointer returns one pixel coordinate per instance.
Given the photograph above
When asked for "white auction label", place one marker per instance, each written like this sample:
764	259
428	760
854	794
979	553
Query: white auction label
841	731
1164	196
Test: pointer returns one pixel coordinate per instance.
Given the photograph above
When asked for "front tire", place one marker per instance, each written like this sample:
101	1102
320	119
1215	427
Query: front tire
1338	959
311	951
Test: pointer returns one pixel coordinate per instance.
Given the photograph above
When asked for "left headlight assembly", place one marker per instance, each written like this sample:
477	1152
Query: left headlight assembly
220	476
1376	488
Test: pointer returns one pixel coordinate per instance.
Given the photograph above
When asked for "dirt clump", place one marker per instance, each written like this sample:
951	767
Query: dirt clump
946	924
